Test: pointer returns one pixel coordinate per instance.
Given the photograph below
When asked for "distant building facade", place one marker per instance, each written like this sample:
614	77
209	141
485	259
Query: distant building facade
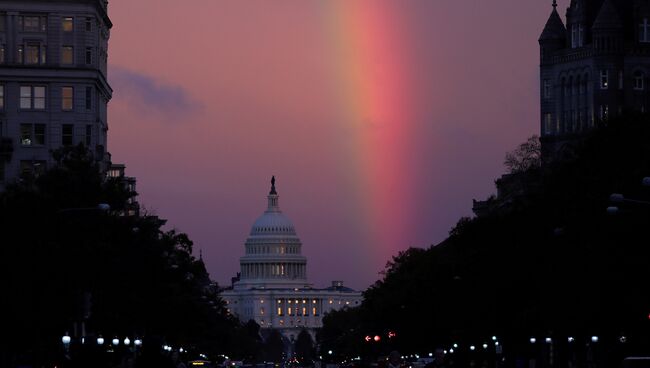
272	288
53	82
595	67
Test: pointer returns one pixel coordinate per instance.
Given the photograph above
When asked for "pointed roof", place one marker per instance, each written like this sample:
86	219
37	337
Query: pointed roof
554	29
608	17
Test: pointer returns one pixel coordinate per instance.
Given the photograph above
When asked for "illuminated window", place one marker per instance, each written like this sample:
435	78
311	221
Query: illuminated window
604	79
290	311
280	312
32	97
67	98
32	53
305	312
32	23
67	55
604	112
67	134
26	134
67	24
314	311
262	311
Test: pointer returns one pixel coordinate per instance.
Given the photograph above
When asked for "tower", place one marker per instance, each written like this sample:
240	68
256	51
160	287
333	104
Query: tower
53	82
593	68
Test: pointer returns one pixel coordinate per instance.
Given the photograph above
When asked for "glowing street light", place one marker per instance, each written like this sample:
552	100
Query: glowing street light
549	340
137	342
127	341
571	339
66	339
594	339
116	341
100	340
533	340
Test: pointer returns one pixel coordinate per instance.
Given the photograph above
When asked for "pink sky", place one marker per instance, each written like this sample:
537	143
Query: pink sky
381	120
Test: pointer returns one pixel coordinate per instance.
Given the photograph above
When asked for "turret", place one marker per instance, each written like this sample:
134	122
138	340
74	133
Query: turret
553	36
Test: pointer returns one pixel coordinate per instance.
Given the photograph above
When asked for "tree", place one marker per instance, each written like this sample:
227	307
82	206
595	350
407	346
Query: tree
305	348
526	157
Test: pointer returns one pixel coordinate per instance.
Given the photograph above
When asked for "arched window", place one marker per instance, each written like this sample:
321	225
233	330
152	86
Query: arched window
639	80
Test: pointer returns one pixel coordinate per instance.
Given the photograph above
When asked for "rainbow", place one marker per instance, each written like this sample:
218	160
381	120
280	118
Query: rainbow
373	75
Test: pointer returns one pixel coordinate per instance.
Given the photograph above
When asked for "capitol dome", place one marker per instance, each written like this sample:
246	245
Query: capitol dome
273	254
273	223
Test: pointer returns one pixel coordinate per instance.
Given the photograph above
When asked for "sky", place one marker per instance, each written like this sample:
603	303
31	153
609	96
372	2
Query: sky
381	119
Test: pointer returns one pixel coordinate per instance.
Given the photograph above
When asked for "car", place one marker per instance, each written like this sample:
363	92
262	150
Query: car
199	363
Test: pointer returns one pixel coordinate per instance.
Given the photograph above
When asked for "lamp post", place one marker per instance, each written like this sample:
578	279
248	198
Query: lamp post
66	339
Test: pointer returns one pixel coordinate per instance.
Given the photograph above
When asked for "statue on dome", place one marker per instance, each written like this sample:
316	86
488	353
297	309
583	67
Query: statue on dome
273	185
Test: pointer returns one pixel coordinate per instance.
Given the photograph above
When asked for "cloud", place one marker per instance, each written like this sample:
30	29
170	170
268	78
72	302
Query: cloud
143	94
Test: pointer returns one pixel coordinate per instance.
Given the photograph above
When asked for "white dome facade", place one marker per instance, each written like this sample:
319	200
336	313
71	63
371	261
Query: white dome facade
273	251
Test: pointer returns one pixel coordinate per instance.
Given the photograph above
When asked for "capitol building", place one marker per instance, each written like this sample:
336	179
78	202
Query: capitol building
272	288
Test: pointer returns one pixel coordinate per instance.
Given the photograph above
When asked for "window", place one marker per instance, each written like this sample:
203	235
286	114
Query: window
548	124
31	169
604	79
32	23
89	55
39	134
604	112
26	134
581	35
2	98
67	24
89	24
2	29
547	89
2	54
644	31
32	53
574	36
32	134
89	98
89	135
20	51
67	134
639	84
32	97
67	55
67	98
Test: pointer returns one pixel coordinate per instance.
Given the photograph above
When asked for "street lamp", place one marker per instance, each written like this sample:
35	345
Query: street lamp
594	339
127	341
533	340
100	340
66	339
116	341
570	339
137	342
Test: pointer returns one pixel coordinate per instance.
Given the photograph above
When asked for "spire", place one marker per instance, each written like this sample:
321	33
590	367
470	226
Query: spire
554	29
273	198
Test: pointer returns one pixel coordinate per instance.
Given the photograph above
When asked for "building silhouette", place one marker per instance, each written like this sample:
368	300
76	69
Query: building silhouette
594	67
53	83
